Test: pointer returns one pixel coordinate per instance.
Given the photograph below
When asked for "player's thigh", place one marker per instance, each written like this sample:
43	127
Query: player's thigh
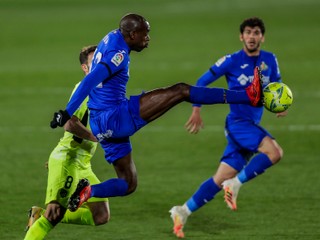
62	178
121	121
246	135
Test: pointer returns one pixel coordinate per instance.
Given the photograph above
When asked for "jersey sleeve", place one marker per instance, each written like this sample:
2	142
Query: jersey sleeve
275	74
115	60
216	71
99	74
80	112
222	66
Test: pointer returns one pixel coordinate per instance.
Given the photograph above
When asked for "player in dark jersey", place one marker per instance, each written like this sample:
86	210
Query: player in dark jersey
114	118
244	134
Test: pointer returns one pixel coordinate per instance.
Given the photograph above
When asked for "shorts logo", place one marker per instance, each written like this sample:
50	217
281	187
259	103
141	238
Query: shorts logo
101	136
63	193
117	59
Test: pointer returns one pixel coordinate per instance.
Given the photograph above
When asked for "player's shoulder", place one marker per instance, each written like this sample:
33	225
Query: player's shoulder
234	57
267	54
113	42
224	60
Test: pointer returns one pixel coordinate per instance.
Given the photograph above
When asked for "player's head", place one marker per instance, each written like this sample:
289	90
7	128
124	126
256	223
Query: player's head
85	58
252	34
135	30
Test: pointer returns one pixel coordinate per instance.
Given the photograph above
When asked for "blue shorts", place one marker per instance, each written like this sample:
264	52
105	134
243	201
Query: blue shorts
244	138
114	126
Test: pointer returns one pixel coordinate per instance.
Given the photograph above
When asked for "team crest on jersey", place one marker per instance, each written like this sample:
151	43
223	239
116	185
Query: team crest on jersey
263	66
117	59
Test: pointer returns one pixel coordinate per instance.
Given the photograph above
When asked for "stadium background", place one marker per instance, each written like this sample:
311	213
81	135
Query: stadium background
39	45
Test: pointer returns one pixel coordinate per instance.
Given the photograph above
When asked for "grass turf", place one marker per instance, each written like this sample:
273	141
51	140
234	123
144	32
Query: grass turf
40	41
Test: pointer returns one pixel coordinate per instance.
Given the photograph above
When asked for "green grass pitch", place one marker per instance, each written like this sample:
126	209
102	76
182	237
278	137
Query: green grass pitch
39	44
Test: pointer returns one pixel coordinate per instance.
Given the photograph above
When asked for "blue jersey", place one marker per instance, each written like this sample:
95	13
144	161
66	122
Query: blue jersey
238	69
113	52
108	77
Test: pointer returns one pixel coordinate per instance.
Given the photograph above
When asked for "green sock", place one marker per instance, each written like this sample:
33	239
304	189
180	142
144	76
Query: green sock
82	216
39	229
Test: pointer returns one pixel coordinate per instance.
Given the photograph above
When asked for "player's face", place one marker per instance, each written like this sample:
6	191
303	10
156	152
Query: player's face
252	39
142	38
86	67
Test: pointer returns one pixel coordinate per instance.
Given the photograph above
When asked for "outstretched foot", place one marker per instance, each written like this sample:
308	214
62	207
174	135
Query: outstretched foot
81	195
254	91
231	190
179	218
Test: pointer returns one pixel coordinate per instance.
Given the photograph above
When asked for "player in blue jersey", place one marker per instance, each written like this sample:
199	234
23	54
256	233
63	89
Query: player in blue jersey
68	162
114	118
244	134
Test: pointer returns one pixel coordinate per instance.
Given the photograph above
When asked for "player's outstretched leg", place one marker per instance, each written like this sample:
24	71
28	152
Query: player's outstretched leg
81	195
34	214
231	189
254	91
179	217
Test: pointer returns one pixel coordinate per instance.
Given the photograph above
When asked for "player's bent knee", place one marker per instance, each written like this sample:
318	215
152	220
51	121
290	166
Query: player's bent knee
101	219
132	189
181	88
276	155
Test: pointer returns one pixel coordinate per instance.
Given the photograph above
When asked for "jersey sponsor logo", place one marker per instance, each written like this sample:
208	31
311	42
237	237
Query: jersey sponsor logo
244	66
243	79
117	59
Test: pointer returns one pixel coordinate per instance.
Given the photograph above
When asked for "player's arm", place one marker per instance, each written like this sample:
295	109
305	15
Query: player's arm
195	123
75	127
98	75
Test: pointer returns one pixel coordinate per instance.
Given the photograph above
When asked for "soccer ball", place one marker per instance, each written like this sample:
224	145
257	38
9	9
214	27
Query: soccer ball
277	97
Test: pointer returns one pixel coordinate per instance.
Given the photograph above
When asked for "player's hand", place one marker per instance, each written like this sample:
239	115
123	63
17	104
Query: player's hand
195	123
282	114
59	118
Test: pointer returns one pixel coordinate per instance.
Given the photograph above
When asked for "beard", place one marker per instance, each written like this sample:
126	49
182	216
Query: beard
253	49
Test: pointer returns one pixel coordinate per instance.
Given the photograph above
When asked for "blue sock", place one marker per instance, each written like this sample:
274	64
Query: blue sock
255	167
204	194
111	188
203	95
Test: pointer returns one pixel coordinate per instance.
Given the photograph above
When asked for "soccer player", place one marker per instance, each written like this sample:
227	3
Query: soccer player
244	134
114	118
69	162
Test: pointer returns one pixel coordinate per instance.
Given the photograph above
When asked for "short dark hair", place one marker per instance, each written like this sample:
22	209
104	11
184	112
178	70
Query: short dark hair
253	22
131	22
85	51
